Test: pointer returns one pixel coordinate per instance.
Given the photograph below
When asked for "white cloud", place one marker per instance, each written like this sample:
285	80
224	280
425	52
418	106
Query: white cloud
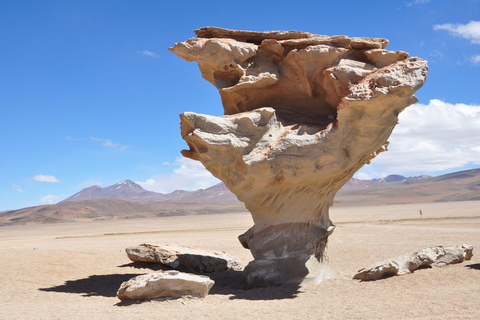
417	2
110	144
149	54
191	175
434	137
476	59
469	31
49	199
18	188
45	178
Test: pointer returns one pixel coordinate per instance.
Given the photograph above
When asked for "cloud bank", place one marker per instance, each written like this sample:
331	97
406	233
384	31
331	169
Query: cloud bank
429	138
469	31
191	175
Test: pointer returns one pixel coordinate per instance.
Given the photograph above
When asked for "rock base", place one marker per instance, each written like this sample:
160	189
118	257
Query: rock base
285	254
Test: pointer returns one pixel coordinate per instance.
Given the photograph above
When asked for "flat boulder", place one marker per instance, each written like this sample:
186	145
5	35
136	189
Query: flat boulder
184	258
434	256
166	284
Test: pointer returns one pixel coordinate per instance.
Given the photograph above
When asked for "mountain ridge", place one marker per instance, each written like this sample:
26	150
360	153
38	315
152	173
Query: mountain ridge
456	186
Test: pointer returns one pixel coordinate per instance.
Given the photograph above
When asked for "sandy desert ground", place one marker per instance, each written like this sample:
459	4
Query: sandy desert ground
73	270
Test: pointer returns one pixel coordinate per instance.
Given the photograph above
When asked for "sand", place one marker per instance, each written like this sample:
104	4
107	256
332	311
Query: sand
73	270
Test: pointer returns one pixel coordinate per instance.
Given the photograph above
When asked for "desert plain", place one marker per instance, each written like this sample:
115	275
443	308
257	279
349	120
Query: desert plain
73	270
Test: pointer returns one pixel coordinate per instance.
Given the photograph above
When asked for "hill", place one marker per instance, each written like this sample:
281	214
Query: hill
127	199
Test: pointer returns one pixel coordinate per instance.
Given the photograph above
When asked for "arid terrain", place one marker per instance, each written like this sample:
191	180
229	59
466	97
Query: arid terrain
73	270
127	200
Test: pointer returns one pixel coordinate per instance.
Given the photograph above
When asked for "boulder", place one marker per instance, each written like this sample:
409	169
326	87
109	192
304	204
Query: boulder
184	258
167	284
435	256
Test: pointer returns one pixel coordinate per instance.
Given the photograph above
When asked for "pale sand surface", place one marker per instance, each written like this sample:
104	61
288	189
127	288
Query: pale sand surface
72	271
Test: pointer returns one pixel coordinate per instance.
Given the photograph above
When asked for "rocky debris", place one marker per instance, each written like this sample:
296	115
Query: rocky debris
184	258
303	113
434	256
454	255
172	284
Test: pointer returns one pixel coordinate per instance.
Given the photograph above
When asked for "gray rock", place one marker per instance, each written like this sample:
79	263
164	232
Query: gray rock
184	258
167	284
435	256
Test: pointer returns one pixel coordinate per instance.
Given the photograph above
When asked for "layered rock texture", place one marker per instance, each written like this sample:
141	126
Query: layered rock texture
434	256
303	113
184	258
167	284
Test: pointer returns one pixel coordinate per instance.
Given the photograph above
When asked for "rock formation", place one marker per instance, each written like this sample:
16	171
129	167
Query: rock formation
303	113
184	258
435	256
172	284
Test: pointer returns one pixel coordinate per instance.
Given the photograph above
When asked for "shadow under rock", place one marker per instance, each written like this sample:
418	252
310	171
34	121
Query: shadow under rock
146	265
227	282
475	266
231	283
102	285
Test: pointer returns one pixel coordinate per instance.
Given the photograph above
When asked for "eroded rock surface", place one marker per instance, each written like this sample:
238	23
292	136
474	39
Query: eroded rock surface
435	256
172	284
303	113
184	258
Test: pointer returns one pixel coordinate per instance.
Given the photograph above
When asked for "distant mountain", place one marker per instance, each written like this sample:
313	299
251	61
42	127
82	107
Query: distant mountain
130	191
127	199
457	186
125	190
109	209
391	178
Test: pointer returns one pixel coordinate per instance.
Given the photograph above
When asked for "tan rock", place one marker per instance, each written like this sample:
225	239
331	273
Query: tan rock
184	258
303	112
435	256
167	284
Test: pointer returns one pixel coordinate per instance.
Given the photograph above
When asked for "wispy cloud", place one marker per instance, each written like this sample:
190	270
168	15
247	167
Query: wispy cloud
476	59
469	31
44	178
72	139
49	199
18	188
149	54
110	144
415	2
434	137
190	175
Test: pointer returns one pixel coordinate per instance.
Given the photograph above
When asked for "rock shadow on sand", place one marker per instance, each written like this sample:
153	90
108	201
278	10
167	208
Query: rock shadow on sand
230	282
96	285
475	266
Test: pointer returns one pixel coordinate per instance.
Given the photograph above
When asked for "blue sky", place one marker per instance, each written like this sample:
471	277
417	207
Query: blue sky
89	93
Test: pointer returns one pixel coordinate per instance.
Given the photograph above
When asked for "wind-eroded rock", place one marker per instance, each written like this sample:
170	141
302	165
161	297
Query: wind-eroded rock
172	284
435	256
303	113
184	258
